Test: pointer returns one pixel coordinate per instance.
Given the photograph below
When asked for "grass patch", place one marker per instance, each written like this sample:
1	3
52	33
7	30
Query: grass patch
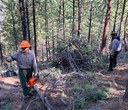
79	104
86	90
96	95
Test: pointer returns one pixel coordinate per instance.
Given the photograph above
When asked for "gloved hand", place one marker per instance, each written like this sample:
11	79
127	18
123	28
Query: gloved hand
9	59
36	75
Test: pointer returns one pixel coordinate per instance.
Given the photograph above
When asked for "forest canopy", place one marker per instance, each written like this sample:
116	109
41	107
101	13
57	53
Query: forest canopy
49	23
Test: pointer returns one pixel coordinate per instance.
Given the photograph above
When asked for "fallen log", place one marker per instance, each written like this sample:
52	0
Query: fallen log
33	82
43	98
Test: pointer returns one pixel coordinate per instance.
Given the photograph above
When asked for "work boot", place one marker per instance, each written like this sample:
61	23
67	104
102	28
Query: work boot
26	98
110	69
114	66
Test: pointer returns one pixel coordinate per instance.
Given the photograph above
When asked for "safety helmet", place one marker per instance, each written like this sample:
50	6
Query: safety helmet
24	44
113	33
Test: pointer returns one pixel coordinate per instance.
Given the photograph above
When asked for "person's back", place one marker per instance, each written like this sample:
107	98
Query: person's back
116	45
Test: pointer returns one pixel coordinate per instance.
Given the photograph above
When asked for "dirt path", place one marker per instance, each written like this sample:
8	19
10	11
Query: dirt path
10	94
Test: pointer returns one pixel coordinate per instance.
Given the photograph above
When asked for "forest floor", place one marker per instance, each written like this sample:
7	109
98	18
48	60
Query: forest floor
11	97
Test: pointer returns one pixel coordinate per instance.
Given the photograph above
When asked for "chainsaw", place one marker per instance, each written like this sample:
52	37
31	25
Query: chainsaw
33	82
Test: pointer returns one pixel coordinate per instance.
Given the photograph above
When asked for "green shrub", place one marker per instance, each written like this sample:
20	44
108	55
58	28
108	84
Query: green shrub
77	87
89	87
79	104
8	106
100	60
54	72
90	91
43	73
61	47
86	50
96	95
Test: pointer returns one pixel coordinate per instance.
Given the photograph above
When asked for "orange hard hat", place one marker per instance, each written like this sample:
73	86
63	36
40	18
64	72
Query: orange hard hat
24	44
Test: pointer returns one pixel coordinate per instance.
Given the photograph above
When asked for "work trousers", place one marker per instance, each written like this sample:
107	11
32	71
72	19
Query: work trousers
25	75
113	60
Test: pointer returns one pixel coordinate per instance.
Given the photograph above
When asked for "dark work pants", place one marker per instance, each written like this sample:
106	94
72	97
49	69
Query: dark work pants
25	75
113	60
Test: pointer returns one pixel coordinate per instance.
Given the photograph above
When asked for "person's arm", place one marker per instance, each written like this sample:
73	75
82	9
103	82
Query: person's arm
119	45
114	47
35	64
9	59
12	57
36	74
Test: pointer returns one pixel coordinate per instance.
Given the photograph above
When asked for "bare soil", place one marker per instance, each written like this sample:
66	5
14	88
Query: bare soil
11	97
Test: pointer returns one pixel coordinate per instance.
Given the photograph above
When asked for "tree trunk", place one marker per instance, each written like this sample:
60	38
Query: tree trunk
114	27
1	53
123	9
73	18
27	22
34	28
63	20
48	53
14	29
90	23
79	18
59	23
23	19
46	30
125	25
53	41
101	23
42	51
104	38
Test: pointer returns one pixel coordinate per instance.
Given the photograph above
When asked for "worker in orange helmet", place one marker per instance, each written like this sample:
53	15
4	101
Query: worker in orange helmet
27	64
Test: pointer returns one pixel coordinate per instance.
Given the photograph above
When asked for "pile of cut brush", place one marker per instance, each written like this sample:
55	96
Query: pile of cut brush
72	56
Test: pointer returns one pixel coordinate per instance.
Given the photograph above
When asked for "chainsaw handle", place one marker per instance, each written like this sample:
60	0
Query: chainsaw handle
36	75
